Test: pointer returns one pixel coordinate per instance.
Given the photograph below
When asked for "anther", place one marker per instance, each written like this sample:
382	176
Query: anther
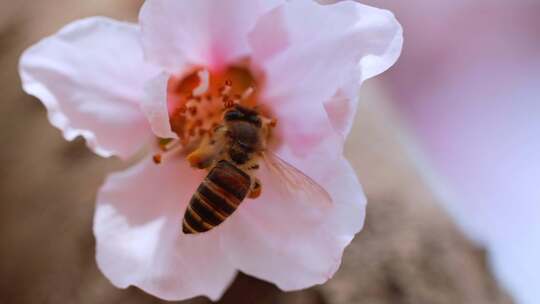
164	142
192	110
227	102
169	149
273	123
226	89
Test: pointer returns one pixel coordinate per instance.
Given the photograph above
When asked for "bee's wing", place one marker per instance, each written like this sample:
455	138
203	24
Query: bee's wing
295	183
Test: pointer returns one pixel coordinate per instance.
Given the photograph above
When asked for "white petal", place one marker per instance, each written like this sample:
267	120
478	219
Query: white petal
90	77
387	48
384	40
307	70
139	235
341	108
154	106
296	244
177	33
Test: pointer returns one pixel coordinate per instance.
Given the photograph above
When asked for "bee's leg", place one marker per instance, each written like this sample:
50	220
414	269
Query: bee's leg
200	159
256	188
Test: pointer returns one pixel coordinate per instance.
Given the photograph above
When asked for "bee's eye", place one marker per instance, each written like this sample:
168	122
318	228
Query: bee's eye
255	120
233	115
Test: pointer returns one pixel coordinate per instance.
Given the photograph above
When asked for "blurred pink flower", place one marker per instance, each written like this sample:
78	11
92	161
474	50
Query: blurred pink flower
468	86
116	84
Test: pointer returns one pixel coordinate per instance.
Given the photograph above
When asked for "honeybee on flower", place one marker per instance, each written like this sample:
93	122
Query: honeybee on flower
171	83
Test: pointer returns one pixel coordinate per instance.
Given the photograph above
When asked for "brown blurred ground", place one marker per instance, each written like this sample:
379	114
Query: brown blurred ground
409	251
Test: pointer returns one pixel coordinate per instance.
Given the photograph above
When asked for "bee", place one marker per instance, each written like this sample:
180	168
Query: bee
232	155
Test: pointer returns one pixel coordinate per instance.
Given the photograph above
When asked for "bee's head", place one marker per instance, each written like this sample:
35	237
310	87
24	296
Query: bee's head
241	113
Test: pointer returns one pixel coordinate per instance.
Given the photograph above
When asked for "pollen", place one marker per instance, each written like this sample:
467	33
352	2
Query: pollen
157	159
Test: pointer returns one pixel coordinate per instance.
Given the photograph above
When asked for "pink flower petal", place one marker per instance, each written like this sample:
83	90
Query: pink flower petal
310	69
341	108
293	243
177	33
139	235
154	106
90	76
384	39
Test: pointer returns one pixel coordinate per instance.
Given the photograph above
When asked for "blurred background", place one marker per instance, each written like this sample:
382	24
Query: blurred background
468	89
447	145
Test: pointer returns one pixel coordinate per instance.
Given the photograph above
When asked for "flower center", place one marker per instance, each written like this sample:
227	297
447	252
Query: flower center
196	104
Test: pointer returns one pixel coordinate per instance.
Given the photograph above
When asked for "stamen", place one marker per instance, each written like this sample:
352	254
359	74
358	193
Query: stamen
192	110
167	151
168	144
227	102
163	142
198	102
226	89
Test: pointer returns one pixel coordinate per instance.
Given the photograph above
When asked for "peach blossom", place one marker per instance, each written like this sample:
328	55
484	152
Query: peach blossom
113	83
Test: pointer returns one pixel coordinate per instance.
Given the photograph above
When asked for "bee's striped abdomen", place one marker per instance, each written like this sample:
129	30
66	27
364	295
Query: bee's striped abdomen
217	197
